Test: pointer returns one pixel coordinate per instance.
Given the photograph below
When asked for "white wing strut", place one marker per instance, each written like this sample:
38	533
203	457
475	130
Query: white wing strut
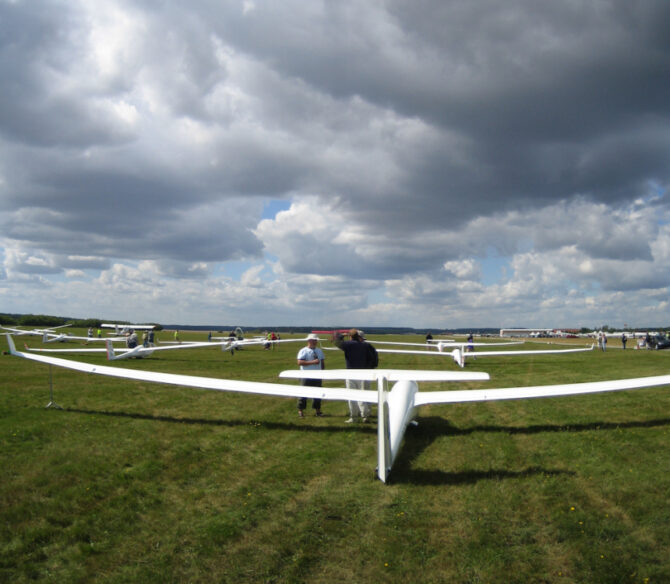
397	408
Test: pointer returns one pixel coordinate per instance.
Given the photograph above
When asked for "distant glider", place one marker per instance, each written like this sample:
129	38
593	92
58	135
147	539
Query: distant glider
122	329
140	351
459	354
49	335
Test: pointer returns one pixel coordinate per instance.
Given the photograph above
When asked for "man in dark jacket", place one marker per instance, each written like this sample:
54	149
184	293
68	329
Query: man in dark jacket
358	354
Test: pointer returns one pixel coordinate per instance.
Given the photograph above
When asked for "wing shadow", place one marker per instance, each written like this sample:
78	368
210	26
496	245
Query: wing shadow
417	439
421	437
292	426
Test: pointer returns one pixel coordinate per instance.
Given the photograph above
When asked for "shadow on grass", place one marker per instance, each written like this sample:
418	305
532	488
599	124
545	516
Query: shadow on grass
293	426
540	428
438	477
417	439
421	437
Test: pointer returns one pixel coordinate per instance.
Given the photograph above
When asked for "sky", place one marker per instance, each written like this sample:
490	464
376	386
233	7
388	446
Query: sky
434	163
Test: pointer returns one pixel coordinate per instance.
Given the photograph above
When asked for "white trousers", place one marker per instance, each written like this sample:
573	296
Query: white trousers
359	408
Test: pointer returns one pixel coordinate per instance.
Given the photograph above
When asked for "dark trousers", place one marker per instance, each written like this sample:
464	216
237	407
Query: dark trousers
316	402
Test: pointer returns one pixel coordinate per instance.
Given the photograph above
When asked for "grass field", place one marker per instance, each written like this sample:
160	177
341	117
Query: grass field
133	482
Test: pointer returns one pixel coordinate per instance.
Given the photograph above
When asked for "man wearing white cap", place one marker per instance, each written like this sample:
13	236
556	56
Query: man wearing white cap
311	357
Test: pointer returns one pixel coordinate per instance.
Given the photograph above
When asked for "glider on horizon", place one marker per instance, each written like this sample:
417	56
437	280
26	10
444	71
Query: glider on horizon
459	354
49	335
123	329
35	331
140	351
397	407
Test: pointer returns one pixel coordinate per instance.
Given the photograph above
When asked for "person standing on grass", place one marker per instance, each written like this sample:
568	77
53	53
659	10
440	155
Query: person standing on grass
131	340
358	354
311	357
624	338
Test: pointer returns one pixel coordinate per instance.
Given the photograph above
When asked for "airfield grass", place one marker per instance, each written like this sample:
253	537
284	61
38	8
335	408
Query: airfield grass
137	482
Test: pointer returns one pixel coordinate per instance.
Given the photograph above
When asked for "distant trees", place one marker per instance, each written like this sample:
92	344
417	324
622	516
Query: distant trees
86	323
8	318
37	320
46	321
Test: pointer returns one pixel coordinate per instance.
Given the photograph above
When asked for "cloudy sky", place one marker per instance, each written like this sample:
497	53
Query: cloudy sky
441	163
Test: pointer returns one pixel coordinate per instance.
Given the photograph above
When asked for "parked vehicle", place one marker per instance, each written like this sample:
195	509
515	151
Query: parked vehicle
658	341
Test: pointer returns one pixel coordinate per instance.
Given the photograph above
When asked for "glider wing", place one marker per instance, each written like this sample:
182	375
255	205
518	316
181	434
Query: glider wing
508	393
203	382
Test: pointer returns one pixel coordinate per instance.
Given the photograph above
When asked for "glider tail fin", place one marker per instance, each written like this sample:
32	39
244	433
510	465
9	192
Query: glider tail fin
111	355
12	346
383	433
459	357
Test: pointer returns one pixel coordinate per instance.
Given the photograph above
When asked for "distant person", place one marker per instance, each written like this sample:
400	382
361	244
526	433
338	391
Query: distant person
603	342
358	354
150	337
176	337
470	347
624	338
99	333
131	339
311	357
429	337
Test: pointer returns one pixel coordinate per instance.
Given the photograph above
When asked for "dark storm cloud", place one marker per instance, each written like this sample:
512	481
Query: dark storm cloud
549	101
408	140
526	103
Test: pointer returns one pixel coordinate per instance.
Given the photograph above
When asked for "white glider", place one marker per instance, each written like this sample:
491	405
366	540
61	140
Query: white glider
117	353
440	345
397	407
121	329
459	355
49	336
